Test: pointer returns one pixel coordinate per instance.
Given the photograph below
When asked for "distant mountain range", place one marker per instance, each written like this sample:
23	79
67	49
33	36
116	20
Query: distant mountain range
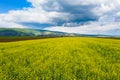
30	32
42	33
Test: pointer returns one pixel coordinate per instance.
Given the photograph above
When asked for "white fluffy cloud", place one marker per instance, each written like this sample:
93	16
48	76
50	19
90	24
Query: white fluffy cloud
102	28
80	16
31	15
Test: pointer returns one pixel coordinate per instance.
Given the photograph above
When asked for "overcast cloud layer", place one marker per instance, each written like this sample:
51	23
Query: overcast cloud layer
79	16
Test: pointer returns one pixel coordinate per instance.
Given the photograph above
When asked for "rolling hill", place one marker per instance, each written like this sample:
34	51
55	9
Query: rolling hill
45	33
29	32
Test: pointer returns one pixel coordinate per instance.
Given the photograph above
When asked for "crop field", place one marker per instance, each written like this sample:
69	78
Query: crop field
68	58
23	38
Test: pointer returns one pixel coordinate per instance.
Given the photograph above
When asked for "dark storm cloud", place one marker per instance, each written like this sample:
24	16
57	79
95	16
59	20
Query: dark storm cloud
78	13
36	25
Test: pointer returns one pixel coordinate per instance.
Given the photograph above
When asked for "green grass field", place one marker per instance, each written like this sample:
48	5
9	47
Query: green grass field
60	59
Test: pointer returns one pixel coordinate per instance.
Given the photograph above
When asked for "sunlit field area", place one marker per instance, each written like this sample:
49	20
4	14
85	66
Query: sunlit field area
68	58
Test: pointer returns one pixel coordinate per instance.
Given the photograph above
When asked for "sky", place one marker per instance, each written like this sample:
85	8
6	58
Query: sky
79	16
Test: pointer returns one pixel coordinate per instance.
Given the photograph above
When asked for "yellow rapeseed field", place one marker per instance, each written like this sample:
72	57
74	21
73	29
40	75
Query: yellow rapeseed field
73	58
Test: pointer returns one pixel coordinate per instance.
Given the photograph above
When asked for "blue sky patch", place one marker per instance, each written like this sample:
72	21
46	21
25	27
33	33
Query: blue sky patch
7	5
